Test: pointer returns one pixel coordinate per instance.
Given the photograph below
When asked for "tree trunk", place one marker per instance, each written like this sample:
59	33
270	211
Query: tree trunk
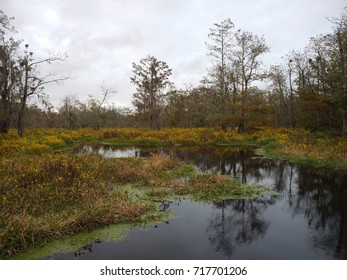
344	123
151	121
241	128
4	126
291	98
20	124
5	112
5	116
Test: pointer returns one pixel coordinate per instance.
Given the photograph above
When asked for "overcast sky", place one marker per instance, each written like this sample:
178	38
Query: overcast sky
102	38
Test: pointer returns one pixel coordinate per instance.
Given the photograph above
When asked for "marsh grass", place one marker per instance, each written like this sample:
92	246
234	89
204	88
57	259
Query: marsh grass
50	196
297	145
47	197
303	147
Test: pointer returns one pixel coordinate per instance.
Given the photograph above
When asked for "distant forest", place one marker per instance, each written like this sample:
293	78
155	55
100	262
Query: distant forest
306	89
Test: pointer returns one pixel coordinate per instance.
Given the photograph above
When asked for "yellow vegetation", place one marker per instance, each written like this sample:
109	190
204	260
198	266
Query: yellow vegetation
294	142
46	195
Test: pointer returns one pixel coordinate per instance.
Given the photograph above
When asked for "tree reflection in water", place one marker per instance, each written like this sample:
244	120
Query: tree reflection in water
319	195
236	223
321	199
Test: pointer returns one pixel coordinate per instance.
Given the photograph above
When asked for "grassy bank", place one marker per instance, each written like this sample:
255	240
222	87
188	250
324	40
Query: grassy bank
46	195
43	141
302	147
49	196
296	145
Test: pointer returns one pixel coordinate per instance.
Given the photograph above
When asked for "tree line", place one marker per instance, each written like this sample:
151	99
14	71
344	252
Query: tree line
306	89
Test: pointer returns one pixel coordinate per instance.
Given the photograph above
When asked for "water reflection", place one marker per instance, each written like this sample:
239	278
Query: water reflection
235	223
307	221
321	199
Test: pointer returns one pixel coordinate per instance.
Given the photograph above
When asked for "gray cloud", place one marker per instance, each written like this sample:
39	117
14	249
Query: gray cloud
103	37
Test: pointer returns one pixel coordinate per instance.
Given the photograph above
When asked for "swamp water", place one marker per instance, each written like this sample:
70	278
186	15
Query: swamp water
307	220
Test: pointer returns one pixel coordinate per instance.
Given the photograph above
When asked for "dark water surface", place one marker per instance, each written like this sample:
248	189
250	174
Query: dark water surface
308	220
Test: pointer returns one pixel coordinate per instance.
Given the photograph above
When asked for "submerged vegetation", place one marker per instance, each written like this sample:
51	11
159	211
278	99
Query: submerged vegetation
46	195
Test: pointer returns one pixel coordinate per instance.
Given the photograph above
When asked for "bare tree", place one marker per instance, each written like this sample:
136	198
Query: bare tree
69	111
279	93
222	41
32	82
96	105
290	70
5	23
